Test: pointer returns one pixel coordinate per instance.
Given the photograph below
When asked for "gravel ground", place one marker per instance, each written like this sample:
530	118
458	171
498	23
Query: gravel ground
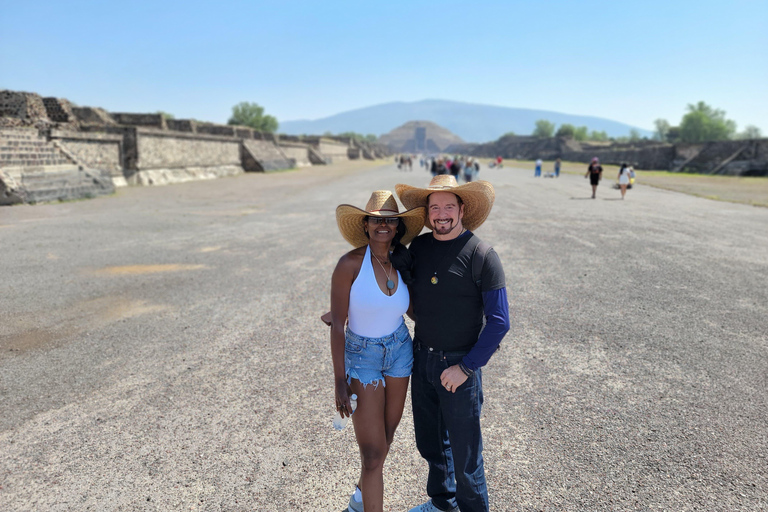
161	350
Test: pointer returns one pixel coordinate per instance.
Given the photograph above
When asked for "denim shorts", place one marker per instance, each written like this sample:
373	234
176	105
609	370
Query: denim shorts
369	360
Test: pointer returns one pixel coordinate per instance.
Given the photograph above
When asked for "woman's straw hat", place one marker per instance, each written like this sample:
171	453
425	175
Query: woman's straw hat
381	204
477	197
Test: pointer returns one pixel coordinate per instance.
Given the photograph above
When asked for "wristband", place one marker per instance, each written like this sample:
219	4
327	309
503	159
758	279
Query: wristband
466	370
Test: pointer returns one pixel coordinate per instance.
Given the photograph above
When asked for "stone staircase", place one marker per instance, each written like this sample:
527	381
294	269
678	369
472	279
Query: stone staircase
263	155
34	170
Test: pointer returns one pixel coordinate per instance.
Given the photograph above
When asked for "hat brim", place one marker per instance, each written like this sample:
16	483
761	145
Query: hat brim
350	221
477	196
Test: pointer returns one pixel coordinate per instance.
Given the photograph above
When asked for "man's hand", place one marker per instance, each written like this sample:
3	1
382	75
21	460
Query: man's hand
452	378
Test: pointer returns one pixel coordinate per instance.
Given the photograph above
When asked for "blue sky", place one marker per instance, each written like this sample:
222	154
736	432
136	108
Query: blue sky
632	62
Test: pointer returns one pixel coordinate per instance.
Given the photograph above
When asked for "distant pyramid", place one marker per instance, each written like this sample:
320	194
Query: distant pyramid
419	137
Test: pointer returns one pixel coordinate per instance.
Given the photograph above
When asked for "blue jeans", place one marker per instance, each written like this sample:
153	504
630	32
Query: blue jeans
447	428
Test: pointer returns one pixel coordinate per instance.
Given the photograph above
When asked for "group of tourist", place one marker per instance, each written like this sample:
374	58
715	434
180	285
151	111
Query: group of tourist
594	172
466	168
404	162
452	285
554	174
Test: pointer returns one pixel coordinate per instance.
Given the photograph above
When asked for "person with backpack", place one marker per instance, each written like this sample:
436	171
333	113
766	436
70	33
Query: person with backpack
457	283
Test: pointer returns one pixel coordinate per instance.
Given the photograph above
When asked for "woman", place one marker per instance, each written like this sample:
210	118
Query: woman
374	357
623	179
595	172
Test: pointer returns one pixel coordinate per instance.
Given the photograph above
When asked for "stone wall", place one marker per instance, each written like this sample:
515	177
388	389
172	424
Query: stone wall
22	105
732	157
651	157
99	151
332	150
181	125
59	110
163	149
92	115
297	152
145	120
216	129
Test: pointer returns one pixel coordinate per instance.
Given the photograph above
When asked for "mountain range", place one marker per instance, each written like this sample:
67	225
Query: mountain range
472	122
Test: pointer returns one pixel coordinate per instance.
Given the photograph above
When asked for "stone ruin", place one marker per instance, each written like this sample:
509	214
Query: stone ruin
725	157
52	150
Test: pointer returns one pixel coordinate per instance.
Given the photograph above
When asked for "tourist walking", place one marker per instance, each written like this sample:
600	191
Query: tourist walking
624	175
595	173
557	168
374	356
537	172
458	285
469	170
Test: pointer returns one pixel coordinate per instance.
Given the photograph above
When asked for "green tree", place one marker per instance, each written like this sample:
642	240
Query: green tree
581	133
508	134
598	136
165	115
544	129
662	128
750	132
252	115
634	135
357	136
673	134
565	130
703	123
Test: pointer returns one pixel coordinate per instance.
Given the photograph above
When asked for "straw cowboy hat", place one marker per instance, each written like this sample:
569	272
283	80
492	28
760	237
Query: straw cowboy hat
477	197
381	204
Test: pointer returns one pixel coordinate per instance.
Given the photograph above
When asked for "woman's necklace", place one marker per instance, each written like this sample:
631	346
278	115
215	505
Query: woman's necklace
434	279
390	282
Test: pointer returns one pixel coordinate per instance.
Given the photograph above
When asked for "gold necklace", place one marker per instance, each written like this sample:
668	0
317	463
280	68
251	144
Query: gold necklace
390	282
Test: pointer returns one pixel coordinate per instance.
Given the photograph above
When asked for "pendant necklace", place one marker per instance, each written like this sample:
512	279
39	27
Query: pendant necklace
390	282
434	279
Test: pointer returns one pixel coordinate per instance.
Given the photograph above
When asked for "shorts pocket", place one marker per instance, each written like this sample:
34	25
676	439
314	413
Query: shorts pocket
353	347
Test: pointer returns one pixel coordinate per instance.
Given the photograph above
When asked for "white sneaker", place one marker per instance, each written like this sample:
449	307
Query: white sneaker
430	507
355	506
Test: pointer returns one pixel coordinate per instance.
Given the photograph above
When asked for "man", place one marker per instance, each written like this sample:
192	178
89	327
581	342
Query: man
449	306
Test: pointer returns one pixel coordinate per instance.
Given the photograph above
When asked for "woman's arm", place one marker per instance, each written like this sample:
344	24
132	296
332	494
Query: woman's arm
410	310
341	283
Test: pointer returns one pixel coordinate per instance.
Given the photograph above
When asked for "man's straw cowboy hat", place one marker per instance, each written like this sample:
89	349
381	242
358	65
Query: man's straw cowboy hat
477	197
381	204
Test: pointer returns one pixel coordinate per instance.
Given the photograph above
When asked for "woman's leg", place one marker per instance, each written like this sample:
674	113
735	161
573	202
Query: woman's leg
396	391
370	432
623	190
594	190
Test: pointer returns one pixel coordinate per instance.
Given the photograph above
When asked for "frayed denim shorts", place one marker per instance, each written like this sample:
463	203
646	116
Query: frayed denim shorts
369	360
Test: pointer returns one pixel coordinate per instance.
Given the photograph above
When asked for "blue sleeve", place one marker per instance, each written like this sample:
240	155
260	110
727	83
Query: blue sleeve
496	311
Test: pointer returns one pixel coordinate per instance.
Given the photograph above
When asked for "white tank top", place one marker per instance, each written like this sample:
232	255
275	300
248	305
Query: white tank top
373	313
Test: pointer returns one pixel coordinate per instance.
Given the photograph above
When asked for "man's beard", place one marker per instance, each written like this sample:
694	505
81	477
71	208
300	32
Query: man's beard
444	229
